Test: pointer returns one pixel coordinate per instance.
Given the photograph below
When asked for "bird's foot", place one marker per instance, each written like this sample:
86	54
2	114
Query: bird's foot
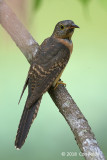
59	82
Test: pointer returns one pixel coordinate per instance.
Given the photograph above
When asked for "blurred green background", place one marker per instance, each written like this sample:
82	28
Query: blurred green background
85	76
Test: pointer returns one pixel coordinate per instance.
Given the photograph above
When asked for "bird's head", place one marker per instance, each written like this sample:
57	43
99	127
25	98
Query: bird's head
64	29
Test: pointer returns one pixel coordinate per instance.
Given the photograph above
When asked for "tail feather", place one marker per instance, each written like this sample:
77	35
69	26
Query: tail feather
29	114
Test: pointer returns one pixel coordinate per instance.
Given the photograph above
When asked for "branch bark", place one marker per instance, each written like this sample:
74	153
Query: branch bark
17	31
82	131
66	105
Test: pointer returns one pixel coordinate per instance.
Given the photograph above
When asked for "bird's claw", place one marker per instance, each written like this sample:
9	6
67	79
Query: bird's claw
59	82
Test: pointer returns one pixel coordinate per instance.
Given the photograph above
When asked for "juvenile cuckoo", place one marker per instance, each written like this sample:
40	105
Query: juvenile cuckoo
47	66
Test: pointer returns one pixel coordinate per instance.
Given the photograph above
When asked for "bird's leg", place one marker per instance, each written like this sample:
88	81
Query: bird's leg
59	82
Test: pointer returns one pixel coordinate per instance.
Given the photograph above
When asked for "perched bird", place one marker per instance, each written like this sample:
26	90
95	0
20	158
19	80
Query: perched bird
45	71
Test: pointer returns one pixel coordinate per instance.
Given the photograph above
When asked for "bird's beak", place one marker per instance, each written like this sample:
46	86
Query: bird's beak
74	26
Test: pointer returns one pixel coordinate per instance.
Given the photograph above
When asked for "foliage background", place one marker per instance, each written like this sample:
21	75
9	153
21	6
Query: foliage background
85	76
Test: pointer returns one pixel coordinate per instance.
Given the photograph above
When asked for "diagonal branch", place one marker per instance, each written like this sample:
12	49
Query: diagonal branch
17	31
66	105
77	122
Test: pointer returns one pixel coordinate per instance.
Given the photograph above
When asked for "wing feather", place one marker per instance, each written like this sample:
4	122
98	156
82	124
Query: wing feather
48	64
42	85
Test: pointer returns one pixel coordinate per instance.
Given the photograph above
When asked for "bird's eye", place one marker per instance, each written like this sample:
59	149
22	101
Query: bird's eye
61	26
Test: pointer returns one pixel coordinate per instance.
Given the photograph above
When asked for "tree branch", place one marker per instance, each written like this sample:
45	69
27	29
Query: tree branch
17	31
77	122
66	105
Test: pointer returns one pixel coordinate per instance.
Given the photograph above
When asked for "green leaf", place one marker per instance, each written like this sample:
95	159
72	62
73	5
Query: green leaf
36	4
85	2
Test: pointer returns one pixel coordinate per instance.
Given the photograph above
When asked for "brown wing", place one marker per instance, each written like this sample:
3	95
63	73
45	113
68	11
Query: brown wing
40	81
25	85
51	59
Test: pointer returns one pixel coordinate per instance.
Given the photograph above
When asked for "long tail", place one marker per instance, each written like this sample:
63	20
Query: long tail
29	114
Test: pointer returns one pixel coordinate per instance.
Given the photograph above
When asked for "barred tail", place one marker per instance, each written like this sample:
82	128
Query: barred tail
29	114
